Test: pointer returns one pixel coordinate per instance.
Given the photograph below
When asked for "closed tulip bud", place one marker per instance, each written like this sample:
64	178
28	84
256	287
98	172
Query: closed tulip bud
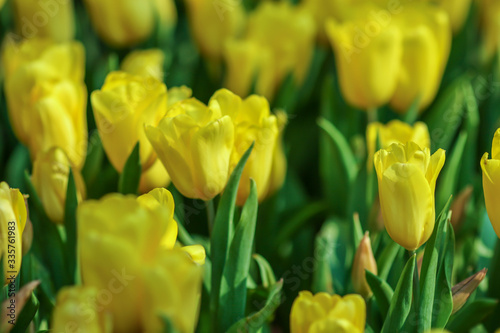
12	222
462	290
46	19
46	97
363	260
426	47
145	63
491	181
194	142
76	310
368	64
327	313
50	178
395	131
407	177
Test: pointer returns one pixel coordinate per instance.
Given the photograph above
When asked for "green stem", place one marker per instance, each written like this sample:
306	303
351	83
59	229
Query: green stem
415	287
372	115
210	215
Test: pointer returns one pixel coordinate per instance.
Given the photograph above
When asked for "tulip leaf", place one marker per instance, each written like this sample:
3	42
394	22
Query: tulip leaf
70	227
412	113
386	258
27	314
131	174
471	315
234	284
382	292
93	162
266	271
222	232
471	126
254	322
401	300
168	326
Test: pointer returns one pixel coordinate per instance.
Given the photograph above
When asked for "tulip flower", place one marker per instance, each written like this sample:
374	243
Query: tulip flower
327	313
395	131
45	19
278	169
145	63
363	260
46	96
12	222
126	252
50	178
322	11
491	181
457	12
490	27
407	177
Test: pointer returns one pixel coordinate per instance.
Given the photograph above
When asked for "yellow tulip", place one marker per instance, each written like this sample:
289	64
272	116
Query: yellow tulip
50	178
253	122
13	217
194	142
407	177
327	313
368	59
426	47
322	11
363	260
491	181
212	23
145	63
46	96
279	41
395	131
76	310
278	169
490	28
457	12
47	19
126	250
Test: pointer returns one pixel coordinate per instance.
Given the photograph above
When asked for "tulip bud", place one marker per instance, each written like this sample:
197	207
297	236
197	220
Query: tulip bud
13	216
462	290
407	177
145	63
363	260
327	313
491	181
50	179
395	131
46	19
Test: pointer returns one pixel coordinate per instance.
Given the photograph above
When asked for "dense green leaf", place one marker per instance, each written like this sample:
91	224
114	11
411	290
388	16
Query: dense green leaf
471	315
27	314
131	174
382	292
266	271
387	257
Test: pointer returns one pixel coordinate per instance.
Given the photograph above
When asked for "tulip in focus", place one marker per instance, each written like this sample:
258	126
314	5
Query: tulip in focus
491	182
363	260
50	179
407	177
13	217
322	313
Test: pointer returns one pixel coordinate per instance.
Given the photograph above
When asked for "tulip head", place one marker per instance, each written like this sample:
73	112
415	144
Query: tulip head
407	178
13	217
490	28
491	182
279	167
327	313
363	260
50	178
145	63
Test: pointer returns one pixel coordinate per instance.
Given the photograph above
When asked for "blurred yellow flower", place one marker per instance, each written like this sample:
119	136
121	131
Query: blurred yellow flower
407	177
13	217
145	63
395	131
457	12
45	19
491	182
363	260
279	167
322	313
490	28
279	40
50	178
47	97
126	249
324	10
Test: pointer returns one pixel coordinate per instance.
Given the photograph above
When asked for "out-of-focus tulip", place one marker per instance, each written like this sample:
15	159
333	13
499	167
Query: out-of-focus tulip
253	122
368	63
212	23
322	11
407	177
395	131
491	182
50	178
278	170
462	290
279	41
323	313
12	221
77	310
457	12
426	47
194	143
145	63
363	260
126	248
46	96
46	19
490	28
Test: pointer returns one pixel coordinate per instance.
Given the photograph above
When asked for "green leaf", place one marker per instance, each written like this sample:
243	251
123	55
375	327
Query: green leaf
27	314
401	300
382	292
222	232
93	162
412	114
255	321
266	271
168	326
233	291
387	257
131	174
357	230
471	314
70	227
